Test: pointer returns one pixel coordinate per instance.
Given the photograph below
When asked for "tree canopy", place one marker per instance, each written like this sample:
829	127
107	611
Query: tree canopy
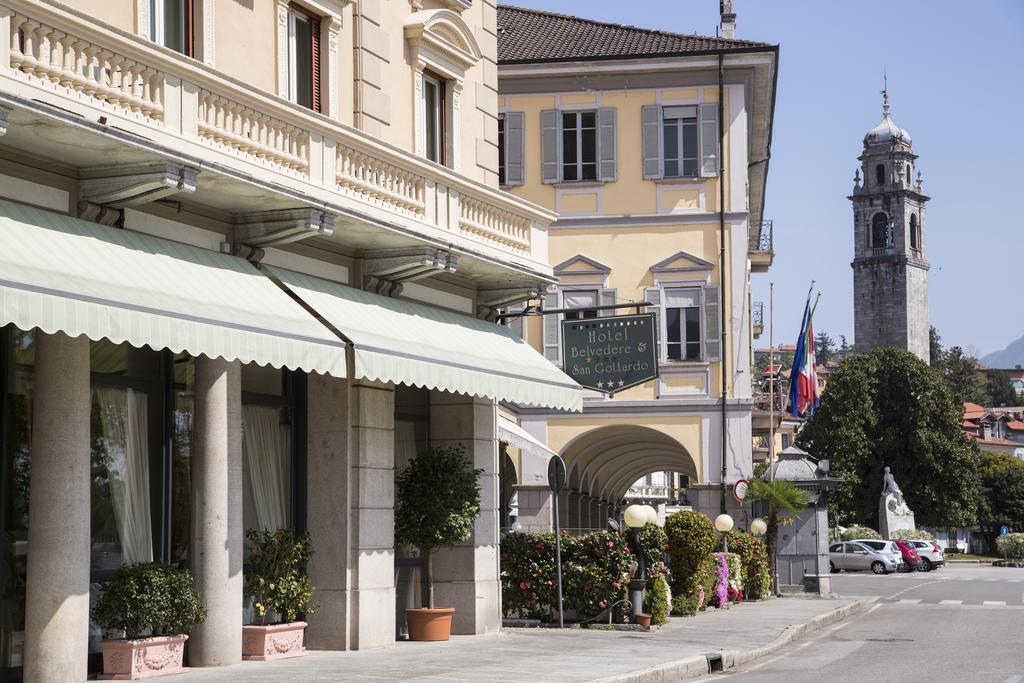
889	408
1002	493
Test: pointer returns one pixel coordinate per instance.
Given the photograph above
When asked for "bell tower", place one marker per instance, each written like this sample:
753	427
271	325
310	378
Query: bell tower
890	272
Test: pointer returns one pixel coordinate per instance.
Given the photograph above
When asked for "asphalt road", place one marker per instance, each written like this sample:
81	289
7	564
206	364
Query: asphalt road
959	623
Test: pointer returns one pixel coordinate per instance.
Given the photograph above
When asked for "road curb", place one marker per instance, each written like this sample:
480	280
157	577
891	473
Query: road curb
699	665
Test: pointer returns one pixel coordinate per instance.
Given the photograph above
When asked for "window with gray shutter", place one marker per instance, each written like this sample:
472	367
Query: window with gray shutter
517	323
710	162
608	298
652	141
551	325
712	324
550	126
606	144
514	148
653	295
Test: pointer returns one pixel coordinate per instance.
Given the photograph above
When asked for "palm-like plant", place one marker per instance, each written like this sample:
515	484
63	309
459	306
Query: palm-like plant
784	501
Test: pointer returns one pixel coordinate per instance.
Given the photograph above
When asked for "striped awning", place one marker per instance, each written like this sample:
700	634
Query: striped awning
59	273
405	342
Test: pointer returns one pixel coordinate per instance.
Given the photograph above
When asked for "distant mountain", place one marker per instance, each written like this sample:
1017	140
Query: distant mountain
1008	358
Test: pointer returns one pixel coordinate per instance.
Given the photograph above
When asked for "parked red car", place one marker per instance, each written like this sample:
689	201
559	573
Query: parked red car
910	556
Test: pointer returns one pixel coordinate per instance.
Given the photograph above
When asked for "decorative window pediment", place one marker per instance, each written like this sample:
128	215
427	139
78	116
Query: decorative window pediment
581	265
445	35
680	262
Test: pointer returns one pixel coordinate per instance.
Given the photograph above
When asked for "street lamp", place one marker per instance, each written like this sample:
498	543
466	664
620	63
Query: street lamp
759	527
636	516
723	523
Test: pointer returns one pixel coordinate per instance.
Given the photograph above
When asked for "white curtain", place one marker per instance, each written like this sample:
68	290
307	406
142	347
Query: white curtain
124	419
266	452
405	443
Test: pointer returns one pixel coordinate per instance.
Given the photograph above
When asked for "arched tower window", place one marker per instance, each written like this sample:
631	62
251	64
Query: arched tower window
915	236
909	176
881	235
880	174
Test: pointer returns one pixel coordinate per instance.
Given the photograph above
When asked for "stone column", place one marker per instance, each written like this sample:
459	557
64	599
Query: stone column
372	514
563	509
57	591
327	505
572	520
596	521
535	509
585	505
466	577
217	534
603	514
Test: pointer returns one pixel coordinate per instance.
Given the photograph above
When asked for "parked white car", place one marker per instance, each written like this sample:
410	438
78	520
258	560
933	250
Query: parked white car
931	554
888	548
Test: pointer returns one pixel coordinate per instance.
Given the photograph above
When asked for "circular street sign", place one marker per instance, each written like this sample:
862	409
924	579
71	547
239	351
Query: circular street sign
556	473
740	488
1004	530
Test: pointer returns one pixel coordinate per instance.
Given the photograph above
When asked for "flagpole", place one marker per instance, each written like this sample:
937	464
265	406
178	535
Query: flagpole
771	381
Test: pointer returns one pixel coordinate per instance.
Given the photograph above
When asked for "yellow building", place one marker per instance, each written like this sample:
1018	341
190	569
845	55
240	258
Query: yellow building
653	148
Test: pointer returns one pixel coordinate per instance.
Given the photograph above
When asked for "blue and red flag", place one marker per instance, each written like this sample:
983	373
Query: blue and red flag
803	379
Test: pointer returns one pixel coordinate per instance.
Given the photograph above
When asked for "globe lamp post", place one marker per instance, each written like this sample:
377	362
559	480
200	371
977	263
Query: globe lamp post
759	527
636	516
723	523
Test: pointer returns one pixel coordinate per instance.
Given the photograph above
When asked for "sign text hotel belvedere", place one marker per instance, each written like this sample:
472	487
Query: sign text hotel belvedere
610	354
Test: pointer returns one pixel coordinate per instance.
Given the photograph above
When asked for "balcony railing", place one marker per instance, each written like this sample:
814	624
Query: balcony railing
66	59
761	238
757	314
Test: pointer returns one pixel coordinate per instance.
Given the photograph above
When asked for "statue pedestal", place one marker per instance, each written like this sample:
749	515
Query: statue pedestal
893	514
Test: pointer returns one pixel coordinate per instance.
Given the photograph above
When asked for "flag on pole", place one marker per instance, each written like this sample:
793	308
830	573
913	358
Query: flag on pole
803	379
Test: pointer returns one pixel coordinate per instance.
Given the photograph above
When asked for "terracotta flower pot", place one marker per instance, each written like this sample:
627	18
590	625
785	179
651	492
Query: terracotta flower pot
643	619
130	660
429	624
273	641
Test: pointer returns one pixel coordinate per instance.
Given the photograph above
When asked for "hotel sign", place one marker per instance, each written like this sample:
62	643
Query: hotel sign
610	354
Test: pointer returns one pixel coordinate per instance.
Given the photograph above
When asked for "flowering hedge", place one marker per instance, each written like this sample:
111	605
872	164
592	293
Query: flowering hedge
729	579
595	570
653	543
658	599
852	533
911	534
691	540
753	554
1011	545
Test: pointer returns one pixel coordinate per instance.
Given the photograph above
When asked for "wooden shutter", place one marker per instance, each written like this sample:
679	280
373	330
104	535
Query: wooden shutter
607	298
606	143
710	161
653	295
550	135
190	28
552	350
652	141
314	31
514	148
712	324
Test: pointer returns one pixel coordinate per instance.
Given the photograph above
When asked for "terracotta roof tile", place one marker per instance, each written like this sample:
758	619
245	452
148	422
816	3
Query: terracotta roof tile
1015	426
529	35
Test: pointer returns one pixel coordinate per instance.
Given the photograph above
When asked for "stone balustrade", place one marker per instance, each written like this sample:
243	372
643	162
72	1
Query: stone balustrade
492	223
246	131
365	176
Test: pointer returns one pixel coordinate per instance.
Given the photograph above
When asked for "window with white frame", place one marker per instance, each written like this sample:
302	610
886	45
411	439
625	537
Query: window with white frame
434	117
682	324
579	145
681	141
679	135
582	299
303	57
170	24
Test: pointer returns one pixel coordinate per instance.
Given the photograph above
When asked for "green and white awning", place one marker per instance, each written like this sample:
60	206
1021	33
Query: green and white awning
59	273
409	343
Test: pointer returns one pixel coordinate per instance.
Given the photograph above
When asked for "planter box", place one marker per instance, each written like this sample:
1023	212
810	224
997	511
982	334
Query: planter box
274	641
131	660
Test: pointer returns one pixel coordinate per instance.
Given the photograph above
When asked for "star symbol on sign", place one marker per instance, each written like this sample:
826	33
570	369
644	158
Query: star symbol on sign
600	385
590	360
621	382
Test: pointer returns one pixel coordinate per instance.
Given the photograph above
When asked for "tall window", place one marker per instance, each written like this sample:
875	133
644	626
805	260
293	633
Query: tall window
880	174
915	237
881	235
501	149
579	145
682	323
679	130
303	57
170	24
433	117
580	299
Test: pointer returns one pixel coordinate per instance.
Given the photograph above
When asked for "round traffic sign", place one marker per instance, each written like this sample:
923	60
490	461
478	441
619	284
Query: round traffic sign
1004	530
740	489
556	473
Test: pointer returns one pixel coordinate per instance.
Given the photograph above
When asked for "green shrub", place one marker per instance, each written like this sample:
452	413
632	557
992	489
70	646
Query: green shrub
691	540
853	532
658	599
276	579
148	596
685	605
907	534
652	544
595	570
1011	545
753	555
706	580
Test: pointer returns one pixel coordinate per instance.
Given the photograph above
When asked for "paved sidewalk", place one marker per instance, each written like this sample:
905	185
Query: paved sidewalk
676	651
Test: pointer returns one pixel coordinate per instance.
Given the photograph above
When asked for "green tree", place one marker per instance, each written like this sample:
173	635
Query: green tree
824	347
1002	493
961	373
844	348
934	347
784	501
1000	391
890	409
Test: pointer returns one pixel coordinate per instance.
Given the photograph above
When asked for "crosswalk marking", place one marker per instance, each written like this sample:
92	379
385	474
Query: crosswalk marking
995	603
951	602
909	602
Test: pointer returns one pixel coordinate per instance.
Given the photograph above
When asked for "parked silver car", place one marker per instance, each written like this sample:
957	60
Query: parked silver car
855	556
887	547
931	554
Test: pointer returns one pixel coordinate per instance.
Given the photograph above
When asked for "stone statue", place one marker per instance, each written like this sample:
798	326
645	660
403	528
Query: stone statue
893	511
889	484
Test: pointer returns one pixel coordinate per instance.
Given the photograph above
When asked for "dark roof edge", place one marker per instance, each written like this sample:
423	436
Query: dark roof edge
630	57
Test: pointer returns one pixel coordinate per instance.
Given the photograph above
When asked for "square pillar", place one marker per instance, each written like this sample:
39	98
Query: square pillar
572	520
536	513
57	590
563	509
466	577
217	534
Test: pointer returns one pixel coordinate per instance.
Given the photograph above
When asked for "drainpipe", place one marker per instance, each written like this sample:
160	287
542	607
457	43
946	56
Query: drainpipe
721	263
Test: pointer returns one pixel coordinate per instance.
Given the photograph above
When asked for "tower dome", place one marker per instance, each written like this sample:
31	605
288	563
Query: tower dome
886	131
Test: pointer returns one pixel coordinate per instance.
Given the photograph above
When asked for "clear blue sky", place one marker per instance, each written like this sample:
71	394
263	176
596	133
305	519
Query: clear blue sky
956	83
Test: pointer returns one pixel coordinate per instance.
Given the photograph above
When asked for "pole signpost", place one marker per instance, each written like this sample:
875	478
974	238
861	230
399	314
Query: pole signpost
556	481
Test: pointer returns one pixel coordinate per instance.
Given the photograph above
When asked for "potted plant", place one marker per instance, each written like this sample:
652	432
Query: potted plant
277	583
437	502
155	606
